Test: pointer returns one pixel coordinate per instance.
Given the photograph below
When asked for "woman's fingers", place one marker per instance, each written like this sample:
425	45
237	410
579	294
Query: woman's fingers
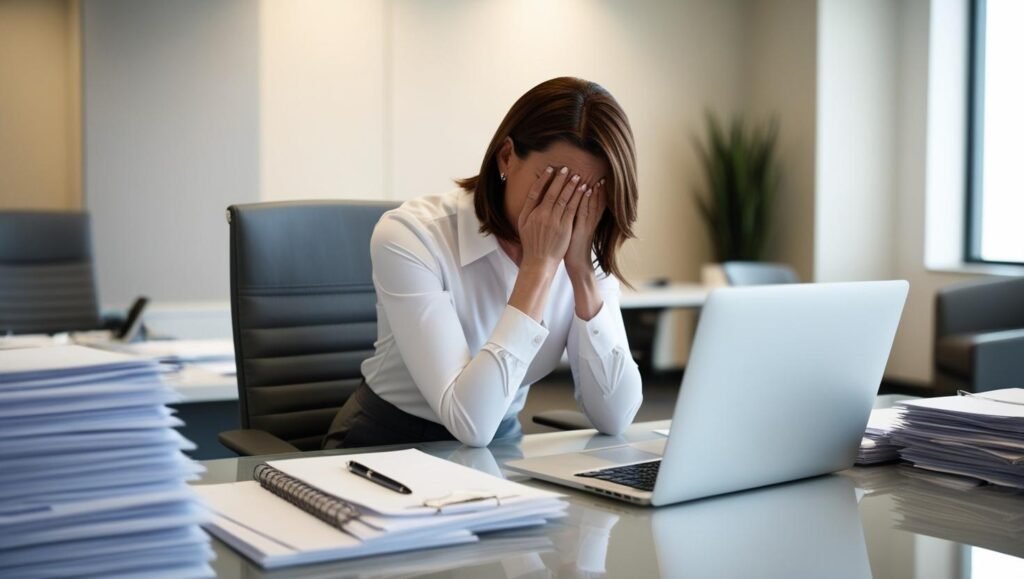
586	209
555	189
565	196
533	198
570	215
600	202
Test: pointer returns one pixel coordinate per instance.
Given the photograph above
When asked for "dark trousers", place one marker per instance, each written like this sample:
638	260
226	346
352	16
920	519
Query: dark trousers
366	419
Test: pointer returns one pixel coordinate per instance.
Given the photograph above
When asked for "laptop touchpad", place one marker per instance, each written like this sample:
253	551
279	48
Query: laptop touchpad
623	454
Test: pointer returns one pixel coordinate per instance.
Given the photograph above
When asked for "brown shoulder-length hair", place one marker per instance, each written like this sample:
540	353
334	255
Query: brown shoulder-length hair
582	114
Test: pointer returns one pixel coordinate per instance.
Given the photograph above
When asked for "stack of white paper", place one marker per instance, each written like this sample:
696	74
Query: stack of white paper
977	435
876	446
449	504
92	478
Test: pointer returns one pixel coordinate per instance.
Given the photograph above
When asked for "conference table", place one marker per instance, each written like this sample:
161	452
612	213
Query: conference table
882	521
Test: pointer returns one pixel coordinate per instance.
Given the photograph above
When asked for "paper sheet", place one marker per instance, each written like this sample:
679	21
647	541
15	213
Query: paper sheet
430	478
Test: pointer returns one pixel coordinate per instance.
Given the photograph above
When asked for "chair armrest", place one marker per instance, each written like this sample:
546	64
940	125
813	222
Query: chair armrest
563	420
999	360
249	442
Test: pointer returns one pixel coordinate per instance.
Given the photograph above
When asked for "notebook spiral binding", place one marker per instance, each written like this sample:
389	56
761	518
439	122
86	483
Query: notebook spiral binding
328	508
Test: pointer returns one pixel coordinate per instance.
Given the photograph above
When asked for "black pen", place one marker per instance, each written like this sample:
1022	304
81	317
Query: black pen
375	477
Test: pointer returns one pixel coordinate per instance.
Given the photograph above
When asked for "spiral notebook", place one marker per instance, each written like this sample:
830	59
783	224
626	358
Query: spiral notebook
313	509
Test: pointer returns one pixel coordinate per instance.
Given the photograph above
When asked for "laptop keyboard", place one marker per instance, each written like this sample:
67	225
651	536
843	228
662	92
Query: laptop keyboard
639	476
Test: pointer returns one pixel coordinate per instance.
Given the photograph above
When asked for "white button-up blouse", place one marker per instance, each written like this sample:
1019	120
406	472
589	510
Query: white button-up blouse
451	350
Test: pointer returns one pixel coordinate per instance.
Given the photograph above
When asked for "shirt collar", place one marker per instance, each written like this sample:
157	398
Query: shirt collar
472	244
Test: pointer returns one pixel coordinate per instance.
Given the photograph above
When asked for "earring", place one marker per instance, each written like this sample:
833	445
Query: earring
502	175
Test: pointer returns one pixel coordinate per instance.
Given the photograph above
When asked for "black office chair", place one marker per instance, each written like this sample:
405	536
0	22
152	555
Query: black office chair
46	273
979	336
303	309
758	273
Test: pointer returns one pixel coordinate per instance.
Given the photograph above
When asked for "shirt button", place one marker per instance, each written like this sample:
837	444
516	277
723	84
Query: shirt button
537	340
595	332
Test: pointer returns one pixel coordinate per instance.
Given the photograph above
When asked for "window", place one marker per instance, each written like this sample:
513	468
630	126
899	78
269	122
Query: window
995	188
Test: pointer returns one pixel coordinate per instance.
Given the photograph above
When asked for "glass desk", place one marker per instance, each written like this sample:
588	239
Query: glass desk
877	522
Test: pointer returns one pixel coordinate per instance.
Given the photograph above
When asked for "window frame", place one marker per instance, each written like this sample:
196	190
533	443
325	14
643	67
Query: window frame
975	137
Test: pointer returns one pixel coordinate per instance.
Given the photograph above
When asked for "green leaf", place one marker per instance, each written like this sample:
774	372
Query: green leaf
741	178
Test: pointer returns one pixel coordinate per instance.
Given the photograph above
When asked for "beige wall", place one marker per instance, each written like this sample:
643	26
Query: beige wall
780	76
40	104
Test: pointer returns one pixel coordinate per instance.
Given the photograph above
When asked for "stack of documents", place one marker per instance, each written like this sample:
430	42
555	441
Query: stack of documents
876	446
309	510
976	435
92	478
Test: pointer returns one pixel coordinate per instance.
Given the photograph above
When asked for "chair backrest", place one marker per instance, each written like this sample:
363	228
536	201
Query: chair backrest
46	273
303	309
979	306
758	273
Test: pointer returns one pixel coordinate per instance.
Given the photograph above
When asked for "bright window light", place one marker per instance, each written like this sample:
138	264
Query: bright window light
987	564
997	190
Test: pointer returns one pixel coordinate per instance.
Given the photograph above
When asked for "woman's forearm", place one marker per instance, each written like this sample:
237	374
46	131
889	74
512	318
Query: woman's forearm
586	294
530	293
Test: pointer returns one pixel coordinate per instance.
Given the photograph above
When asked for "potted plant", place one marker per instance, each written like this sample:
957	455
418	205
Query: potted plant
741	178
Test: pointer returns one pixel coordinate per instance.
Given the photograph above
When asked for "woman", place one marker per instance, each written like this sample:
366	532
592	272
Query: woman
480	291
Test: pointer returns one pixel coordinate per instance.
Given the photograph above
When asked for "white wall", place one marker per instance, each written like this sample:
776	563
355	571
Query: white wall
322	99
856	143
396	99
172	138
40	133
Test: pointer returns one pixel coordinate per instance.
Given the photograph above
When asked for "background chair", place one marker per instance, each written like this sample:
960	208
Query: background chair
758	273
46	273
979	336
304	316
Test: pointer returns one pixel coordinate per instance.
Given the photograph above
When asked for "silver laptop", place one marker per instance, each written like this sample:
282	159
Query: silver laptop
779	386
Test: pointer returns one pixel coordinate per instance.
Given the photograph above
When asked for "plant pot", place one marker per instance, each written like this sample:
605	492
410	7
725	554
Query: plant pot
712	275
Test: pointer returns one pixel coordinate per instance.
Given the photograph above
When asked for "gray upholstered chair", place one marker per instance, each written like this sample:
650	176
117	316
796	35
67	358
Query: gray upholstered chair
758	273
979	336
46	273
303	310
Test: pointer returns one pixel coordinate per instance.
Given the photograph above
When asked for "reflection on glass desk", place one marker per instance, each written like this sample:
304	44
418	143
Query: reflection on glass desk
864	522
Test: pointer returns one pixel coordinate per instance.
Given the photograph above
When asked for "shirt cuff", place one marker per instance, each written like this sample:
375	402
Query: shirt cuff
600	333
519	334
